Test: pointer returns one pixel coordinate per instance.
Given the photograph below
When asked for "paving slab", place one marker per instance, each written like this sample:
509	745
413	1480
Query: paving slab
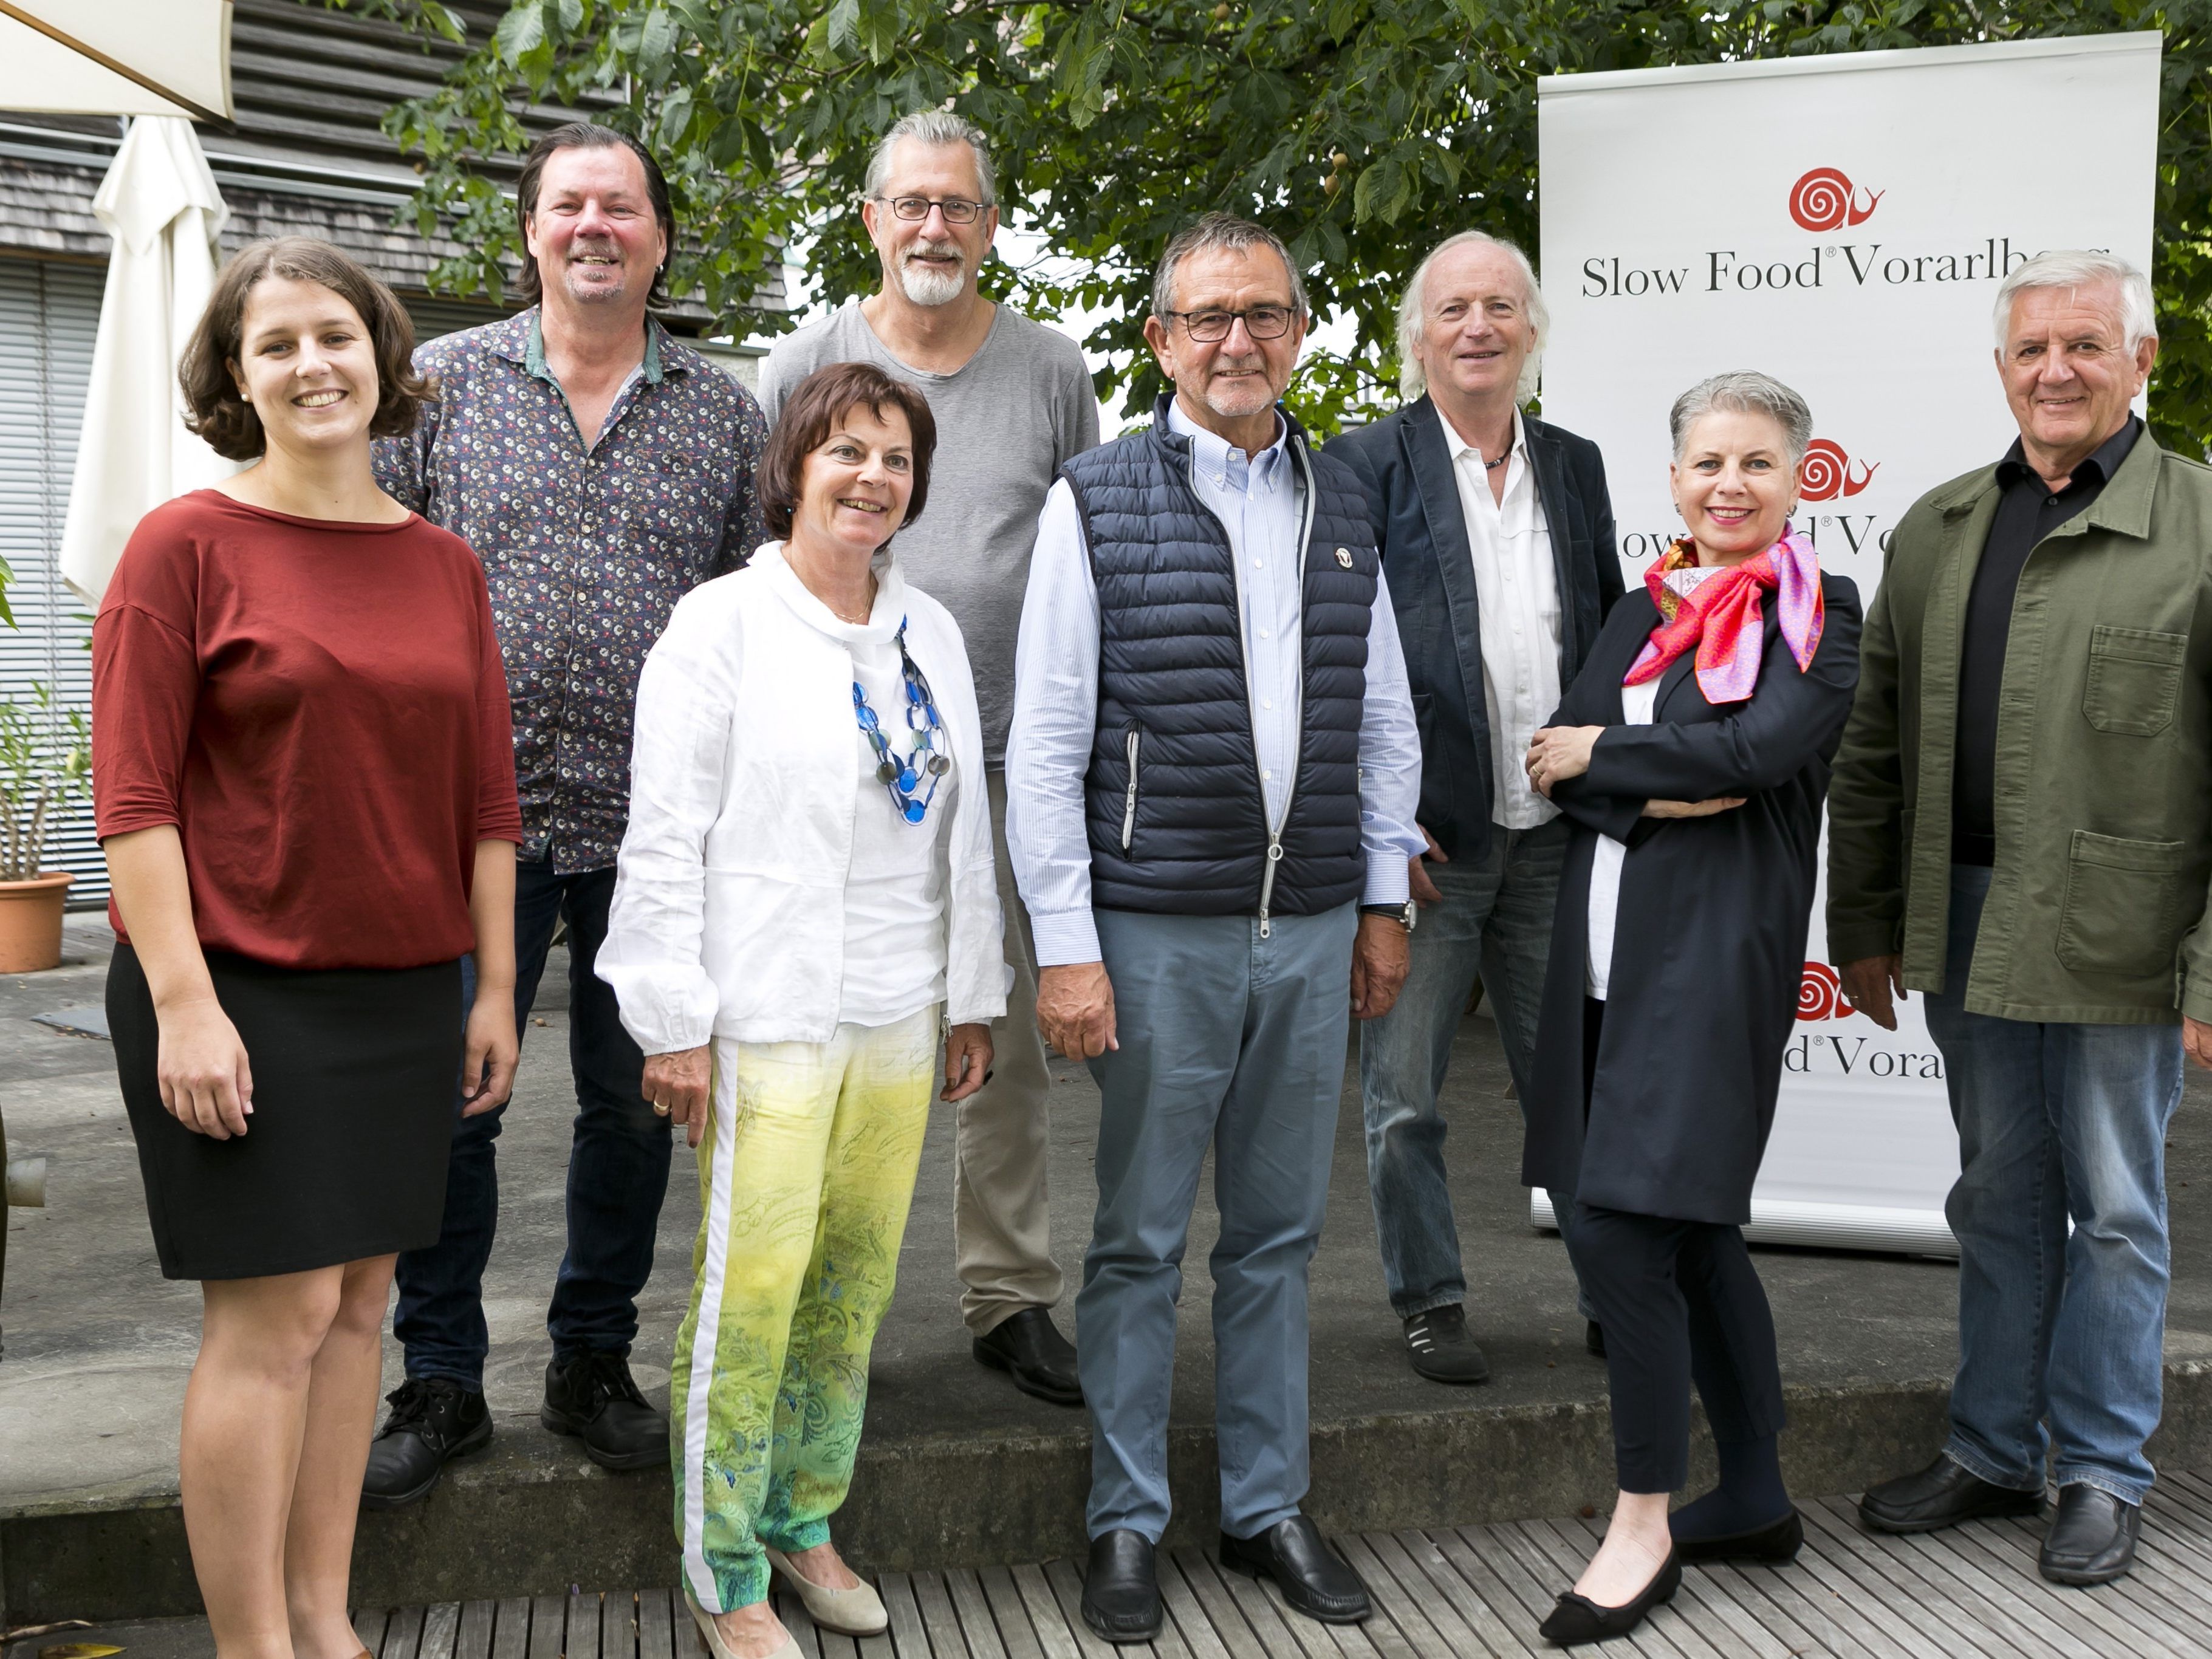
957	1467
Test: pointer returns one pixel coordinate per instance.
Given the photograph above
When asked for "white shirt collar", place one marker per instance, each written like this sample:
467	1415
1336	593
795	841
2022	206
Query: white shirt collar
1459	445
1227	465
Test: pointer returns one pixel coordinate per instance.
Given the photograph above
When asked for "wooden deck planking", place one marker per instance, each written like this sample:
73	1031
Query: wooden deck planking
1469	1593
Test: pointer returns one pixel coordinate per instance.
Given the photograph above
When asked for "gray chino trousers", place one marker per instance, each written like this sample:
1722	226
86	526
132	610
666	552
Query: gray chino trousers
1235	1042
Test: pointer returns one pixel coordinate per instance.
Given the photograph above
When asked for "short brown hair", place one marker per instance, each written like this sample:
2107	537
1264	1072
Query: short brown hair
811	414
217	412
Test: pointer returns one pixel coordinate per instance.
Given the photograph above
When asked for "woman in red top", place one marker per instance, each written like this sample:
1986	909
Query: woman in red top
304	786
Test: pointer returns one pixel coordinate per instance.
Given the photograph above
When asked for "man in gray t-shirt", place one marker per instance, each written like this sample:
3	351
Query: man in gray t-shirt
1013	401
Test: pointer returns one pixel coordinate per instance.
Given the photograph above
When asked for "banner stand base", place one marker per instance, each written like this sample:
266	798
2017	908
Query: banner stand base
1829	1226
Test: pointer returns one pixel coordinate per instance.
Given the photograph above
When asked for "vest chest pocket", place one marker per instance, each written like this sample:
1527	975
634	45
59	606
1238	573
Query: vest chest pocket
2135	680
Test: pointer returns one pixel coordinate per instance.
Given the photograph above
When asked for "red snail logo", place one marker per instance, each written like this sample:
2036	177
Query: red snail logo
1829	472
1824	199
1820	994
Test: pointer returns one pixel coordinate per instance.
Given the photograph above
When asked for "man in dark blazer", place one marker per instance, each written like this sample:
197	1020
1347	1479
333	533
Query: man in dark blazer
1497	546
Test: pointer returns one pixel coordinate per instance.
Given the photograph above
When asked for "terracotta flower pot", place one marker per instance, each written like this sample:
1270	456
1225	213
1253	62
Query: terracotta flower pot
31	921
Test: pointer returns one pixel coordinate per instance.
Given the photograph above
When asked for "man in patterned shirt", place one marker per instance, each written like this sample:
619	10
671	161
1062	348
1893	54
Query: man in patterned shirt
601	471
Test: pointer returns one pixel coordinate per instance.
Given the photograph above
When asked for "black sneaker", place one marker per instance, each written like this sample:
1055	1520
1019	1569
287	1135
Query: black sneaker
594	1399
433	1420
1441	1349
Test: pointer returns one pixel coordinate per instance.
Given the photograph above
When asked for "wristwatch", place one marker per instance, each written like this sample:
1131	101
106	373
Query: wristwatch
1402	913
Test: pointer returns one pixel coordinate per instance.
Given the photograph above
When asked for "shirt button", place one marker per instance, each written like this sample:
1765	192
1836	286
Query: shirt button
1266	775
1258	565
1265	702
1264	635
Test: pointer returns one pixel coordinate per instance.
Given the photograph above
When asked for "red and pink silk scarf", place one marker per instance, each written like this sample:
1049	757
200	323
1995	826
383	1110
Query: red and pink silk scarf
1723	619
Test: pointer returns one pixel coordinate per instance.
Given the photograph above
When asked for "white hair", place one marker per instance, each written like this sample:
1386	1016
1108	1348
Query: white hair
2078	268
1411	380
1744	392
934	127
1220	230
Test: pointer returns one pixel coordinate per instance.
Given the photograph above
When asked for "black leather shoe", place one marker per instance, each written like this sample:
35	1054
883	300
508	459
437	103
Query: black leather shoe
2093	1539
1577	1619
1779	1542
1121	1592
594	1399
1313	1578
1942	1495
1029	1348
1594	1337
1441	1349
433	1420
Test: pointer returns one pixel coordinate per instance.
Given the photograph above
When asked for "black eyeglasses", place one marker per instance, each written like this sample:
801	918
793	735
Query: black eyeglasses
1260	322
956	209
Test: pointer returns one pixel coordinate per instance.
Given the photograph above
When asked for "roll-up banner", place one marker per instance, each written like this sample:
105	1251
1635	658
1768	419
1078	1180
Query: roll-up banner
1841	223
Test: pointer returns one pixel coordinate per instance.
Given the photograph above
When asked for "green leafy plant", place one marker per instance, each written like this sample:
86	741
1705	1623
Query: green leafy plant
1362	132
45	763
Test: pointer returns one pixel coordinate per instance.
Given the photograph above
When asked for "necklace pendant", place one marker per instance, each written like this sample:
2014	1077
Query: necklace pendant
887	771
938	766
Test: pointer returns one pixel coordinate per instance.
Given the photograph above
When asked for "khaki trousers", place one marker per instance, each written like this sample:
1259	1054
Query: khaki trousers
1001	1225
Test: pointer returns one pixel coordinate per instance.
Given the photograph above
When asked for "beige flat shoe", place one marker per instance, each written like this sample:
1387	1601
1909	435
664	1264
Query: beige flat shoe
712	1634
855	1612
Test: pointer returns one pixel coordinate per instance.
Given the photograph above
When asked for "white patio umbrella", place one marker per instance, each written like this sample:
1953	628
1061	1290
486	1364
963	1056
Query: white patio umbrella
117	57
159	203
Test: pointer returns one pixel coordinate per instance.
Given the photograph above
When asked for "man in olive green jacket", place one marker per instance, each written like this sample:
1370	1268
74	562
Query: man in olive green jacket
2020	829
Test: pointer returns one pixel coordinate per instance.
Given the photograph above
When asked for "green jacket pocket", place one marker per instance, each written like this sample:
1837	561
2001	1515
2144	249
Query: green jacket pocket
2123	909
2135	680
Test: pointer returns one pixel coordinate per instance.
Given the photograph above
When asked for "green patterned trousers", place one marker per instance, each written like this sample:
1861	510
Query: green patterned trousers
806	1167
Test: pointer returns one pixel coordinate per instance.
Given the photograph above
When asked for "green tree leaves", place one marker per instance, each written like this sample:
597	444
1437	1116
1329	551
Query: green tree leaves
1362	132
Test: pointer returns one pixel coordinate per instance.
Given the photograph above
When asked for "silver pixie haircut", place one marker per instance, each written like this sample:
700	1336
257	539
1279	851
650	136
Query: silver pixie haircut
1220	230
1744	392
934	127
2080	268
1411	380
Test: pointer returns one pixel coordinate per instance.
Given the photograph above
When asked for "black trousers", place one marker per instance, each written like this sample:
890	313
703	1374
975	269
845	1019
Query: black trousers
1678	1301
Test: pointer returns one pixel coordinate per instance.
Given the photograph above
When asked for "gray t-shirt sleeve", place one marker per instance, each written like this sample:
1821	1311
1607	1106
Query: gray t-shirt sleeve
1076	417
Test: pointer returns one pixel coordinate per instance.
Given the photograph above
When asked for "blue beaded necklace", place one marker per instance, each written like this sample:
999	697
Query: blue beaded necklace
927	759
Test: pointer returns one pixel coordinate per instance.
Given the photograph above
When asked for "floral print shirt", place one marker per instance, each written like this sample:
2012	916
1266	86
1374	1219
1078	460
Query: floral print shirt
585	551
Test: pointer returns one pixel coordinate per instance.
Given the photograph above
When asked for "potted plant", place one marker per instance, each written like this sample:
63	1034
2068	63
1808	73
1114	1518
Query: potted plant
45	763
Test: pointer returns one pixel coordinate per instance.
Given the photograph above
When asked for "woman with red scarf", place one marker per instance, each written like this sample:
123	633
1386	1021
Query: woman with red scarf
1691	753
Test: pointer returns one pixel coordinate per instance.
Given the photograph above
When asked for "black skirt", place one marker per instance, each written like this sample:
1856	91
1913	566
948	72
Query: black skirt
356	1075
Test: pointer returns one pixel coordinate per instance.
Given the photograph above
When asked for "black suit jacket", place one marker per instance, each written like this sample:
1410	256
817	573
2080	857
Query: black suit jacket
1412	498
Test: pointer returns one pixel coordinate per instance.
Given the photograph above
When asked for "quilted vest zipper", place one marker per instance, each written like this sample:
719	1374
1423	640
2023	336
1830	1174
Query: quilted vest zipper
1129	803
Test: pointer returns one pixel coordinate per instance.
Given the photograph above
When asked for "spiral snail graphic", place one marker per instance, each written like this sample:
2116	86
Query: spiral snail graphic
1821	200
1824	199
1825	467
1821	994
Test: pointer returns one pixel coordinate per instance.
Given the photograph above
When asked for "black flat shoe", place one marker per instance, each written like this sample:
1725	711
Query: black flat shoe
1029	1347
1313	1578
433	1420
1442	1349
595	1399
1942	1495
1577	1619
1779	1541
2093	1538
1122	1591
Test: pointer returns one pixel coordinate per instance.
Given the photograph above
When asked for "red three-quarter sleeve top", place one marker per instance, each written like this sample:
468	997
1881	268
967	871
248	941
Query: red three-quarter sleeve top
320	709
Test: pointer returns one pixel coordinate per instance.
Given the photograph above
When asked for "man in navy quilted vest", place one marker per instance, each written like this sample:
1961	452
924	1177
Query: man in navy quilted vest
1211	780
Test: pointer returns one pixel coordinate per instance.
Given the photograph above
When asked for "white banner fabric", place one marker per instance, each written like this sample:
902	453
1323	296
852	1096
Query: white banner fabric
1842	223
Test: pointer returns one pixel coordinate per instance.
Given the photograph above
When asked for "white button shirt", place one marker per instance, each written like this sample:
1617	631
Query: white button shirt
1518	597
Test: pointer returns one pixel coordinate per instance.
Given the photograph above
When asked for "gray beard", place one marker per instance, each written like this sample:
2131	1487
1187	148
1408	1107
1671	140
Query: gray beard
926	287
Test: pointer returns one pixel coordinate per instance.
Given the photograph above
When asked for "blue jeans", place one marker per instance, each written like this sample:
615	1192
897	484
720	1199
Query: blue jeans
618	1164
1495	921
1235	1042
2055	1121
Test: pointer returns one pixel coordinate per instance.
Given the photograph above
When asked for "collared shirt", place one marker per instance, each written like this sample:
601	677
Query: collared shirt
2029	511
1517	594
1260	499
586	550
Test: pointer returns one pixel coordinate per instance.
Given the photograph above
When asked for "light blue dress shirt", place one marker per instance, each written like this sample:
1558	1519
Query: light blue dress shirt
1260	499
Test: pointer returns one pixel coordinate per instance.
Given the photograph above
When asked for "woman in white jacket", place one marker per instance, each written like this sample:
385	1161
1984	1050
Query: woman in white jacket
804	900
